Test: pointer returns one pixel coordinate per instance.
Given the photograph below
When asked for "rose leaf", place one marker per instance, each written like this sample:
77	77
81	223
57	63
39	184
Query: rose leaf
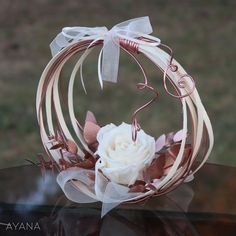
90	132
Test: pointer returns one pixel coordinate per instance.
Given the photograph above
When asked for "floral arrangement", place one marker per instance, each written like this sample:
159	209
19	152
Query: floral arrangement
119	163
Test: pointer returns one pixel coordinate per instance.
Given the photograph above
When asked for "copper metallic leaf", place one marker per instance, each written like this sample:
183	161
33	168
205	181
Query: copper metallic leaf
137	188
89	156
86	164
155	170
174	150
171	154
56	146
93	147
139	182
64	164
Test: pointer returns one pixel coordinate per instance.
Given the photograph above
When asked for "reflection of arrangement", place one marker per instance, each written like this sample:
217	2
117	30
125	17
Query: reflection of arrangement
116	164
87	221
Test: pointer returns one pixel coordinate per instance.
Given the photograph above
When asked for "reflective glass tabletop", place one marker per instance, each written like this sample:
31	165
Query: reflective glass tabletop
34	205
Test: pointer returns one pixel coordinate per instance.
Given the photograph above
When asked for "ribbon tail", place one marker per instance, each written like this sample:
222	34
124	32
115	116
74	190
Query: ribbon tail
77	185
110	60
136	26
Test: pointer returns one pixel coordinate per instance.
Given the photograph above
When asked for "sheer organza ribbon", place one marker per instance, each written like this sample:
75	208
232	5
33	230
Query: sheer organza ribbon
130	30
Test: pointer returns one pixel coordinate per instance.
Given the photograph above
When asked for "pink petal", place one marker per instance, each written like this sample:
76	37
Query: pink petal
71	147
90	117
160	142
180	135
90	132
156	182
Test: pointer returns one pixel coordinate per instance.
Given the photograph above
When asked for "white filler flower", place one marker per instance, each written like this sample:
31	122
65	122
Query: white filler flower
121	159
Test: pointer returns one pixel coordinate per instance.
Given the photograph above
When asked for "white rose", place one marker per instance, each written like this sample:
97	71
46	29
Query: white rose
121	159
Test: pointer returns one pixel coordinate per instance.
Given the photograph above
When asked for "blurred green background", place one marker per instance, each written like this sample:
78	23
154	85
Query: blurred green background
201	33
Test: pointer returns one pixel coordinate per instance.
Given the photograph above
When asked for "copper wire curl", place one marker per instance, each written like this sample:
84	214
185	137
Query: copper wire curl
180	83
132	47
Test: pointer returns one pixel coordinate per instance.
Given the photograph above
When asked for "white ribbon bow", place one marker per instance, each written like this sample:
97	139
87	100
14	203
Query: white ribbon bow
129	30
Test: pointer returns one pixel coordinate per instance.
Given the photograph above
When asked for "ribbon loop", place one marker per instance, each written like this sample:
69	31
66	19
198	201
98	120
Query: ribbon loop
131	30
70	35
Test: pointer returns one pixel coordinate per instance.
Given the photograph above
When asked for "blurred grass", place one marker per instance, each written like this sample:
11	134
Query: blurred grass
201	33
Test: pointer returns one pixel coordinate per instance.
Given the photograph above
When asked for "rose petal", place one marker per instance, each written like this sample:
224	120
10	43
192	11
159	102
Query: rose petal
160	142
124	161
90	132
90	117
104	130
180	135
